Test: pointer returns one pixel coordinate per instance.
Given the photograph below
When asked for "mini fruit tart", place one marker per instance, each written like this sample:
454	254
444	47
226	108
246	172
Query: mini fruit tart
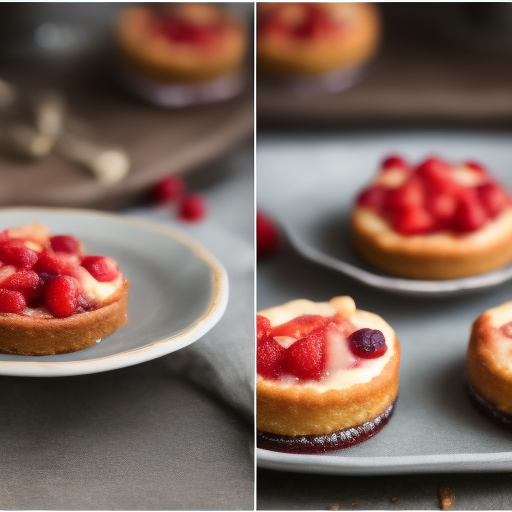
327	375
315	38
54	298
437	220
489	363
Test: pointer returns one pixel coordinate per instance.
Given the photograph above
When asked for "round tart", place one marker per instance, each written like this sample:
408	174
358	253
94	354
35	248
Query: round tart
54	298
327	375
489	363
315	38
438	220
165	47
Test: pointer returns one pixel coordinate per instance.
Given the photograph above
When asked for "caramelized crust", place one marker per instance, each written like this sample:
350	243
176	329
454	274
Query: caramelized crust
39	336
488	371
437	256
354	45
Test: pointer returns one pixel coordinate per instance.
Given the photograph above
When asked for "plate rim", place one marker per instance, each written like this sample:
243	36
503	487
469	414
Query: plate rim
151	351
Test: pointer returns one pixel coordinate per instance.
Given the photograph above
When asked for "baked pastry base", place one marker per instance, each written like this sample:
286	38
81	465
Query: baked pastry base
338	440
42	336
487	408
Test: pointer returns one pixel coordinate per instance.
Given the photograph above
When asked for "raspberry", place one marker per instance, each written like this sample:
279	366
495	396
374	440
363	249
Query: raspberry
470	214
269	358
373	197
11	301
267	236
368	343
306	358
61	296
263	328
410	194
65	243
102	268
193	208
393	162
437	177
493	198
413	221
169	189
300	326
22	280
14	252
50	264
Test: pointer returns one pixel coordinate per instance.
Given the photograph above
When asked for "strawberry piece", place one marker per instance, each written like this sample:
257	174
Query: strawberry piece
413	220
373	198
393	162
437	177
263	328
22	280
493	198
300	326
102	268
61	296
410	195
169	189
65	243
306	358
51	264
267	236
442	207
14	252
11	301
476	166
193	208
269	358
470	215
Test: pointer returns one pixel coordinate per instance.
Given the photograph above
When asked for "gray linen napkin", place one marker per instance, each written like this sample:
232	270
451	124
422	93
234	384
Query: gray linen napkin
223	360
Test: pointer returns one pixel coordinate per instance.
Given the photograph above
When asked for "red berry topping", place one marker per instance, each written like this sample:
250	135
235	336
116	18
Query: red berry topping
14	252
506	329
11	301
493	198
193	208
470	214
169	189
49	263
62	295
306	358
65	243
368	343
267	236
22	280
263	328
410	194
476	166
433	168
413	220
300	326
373	198
269	358
102	268
442	208
393	162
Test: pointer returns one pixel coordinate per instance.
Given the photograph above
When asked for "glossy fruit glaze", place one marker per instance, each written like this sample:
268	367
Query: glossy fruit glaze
299	348
434	196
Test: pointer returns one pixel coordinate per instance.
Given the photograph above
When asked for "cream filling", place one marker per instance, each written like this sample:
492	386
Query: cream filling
340	359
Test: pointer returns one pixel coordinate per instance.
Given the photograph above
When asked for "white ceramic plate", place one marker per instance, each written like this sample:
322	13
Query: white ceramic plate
178	291
309	185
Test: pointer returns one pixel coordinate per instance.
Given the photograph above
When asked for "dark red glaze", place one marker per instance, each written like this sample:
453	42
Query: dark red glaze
487	408
312	444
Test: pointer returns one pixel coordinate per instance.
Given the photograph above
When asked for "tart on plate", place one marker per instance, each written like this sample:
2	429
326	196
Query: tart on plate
55	298
189	52
489	363
437	220
296	39
327	375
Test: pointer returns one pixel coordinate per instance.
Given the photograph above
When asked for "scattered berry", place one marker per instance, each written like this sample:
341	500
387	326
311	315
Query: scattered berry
368	343
269	358
192	208
300	326
267	236
102	268
393	162
263	328
11	301
61	296
65	243
14	252
169	189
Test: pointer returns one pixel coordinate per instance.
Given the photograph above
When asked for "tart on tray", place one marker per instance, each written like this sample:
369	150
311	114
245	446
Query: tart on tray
327	375
489	363
437	220
54	298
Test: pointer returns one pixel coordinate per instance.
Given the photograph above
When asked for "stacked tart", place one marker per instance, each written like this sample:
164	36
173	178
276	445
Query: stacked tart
183	43
315	38
436	220
55	298
489	363
327	375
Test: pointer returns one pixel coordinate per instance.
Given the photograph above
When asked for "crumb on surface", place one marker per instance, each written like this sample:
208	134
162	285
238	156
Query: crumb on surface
334	506
446	498
393	499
